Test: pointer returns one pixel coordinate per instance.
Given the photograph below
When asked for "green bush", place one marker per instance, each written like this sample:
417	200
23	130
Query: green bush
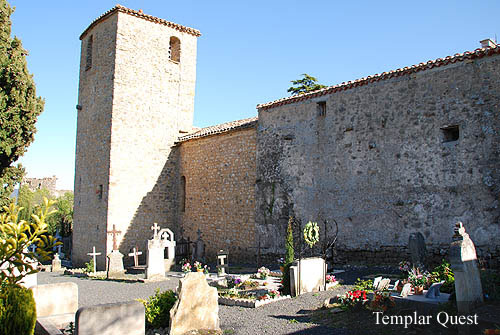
89	267
289	257
444	272
158	308
17	310
364	285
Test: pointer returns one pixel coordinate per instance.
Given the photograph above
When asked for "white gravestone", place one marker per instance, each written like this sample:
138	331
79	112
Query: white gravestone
307	275
156	264
463	262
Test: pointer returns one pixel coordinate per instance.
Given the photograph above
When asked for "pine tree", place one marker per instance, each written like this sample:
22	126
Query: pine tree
19	105
304	85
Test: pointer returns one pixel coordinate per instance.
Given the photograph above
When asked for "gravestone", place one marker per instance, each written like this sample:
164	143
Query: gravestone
199	249
155	267
93	254
395	287
383	284
418	251
115	258
307	275
56	303
463	260
433	291
56	263
168	241
197	306
111	319
405	291
376	281
135	253
222	263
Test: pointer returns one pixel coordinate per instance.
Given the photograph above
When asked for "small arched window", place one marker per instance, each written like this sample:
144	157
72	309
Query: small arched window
174	50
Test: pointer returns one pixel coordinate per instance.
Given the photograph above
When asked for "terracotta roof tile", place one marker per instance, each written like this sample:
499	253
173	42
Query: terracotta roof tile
140	14
220	128
478	53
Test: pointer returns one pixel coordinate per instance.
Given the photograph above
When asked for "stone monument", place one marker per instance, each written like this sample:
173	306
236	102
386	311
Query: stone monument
418	251
115	258
197	307
56	263
222	263
199	249
167	238
156	263
463	262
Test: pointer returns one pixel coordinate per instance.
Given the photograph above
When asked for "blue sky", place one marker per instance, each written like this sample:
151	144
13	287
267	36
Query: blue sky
248	53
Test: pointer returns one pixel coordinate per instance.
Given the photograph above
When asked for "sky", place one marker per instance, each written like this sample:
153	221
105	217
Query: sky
248	53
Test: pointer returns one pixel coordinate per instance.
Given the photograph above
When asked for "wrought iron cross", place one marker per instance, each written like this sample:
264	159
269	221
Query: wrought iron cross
114	232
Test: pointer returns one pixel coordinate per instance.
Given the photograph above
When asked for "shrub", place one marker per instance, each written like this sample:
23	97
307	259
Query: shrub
89	267
17	310
364	285
444	272
158	308
289	257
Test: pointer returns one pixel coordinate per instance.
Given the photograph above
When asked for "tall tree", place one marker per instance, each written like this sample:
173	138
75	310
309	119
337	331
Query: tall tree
304	85
19	105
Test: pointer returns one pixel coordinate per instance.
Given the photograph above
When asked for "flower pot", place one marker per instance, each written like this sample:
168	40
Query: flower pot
419	290
282	269
199	270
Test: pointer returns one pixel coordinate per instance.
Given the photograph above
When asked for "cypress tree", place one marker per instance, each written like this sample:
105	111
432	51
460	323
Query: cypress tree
289	257
19	105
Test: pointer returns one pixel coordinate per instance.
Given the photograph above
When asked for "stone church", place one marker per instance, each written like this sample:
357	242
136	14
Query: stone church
413	149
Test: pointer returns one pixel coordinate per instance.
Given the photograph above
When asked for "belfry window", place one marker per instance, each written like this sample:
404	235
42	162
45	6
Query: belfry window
88	64
174	50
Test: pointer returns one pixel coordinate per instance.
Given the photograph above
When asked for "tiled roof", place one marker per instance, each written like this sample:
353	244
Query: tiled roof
478	53
220	128
140	14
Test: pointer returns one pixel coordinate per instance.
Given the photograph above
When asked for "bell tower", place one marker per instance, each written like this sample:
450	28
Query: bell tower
136	94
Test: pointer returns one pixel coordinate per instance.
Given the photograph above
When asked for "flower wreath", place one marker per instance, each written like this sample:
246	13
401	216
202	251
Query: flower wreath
311	233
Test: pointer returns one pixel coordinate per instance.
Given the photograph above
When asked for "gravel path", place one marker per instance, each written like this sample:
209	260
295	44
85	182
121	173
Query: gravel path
291	316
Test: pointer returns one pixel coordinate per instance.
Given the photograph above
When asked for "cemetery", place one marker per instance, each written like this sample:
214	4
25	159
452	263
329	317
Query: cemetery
205	298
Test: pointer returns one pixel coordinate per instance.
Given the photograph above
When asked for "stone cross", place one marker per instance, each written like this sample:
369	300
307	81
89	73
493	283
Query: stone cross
463	260
155	228
93	254
59	247
32	247
134	254
221	262
114	232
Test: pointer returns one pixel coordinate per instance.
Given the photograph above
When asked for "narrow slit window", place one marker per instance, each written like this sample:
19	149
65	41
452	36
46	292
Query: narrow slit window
174	50
88	64
321	108
183	194
450	133
99	192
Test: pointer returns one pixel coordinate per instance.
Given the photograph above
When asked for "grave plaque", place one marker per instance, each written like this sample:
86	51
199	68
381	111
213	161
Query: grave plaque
376	282
433	291
405	291
384	284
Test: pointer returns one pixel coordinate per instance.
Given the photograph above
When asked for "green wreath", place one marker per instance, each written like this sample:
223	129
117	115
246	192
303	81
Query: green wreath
311	233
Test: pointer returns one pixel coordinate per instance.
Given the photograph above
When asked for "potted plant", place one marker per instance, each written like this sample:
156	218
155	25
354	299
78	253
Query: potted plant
198	266
418	280
186	267
263	272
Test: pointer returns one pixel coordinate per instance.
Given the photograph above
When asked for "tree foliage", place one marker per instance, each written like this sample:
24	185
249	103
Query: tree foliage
17	235
304	85
19	105
62	220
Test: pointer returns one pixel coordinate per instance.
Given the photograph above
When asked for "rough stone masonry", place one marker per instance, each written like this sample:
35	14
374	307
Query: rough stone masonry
411	150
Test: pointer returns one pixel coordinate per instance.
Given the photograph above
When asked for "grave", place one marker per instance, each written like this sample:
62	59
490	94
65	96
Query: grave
135	253
115	258
56	304
93	254
199	249
222	262
111	319
418	251
463	260
197	306
56	263
307	275
156	264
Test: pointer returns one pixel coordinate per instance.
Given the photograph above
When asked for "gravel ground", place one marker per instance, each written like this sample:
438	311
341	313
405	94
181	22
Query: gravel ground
291	316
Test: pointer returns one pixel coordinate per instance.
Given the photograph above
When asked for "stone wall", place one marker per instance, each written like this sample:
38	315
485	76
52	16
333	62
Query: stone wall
384	161
143	99
34	184
219	193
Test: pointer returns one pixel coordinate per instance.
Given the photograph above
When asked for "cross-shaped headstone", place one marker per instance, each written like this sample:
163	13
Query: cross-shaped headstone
134	254
155	228
114	232
32	247
59	248
93	254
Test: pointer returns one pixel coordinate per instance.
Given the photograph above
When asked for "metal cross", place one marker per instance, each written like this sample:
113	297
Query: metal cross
155	227
134	254
114	232
93	254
